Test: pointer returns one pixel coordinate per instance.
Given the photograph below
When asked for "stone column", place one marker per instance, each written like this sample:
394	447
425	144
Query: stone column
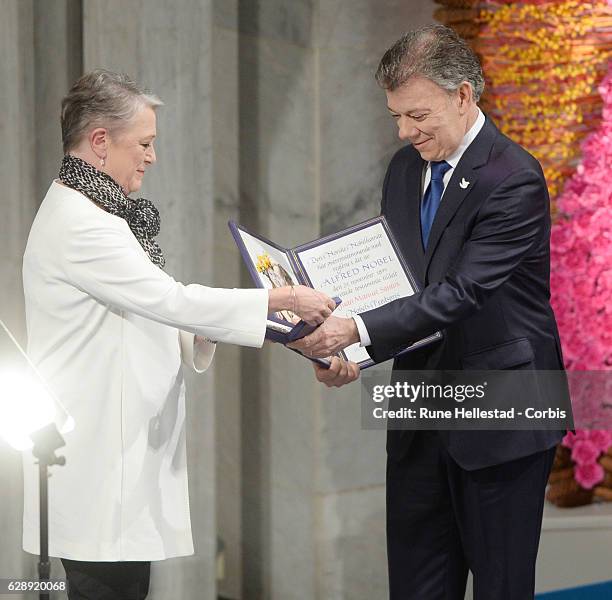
357	140
313	141
58	56
18	167
35	40
19	204
227	269
167	46
277	190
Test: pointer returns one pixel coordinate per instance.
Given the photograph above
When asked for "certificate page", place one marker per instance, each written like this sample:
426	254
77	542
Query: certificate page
272	267
362	268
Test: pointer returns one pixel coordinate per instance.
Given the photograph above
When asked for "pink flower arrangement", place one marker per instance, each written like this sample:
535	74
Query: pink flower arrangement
581	252
589	475
587	447
602	440
584	452
581	289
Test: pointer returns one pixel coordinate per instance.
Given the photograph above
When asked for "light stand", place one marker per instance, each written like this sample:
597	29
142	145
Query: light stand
46	441
31	417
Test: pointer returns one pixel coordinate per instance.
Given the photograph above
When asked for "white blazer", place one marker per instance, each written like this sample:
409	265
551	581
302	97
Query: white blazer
103	329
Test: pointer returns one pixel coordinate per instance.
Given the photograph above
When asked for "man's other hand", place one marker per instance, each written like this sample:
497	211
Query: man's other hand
339	373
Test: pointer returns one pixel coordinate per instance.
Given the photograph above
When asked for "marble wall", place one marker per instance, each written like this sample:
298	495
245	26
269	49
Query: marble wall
272	118
277	188
169	50
18	204
35	43
227	269
312	141
356	141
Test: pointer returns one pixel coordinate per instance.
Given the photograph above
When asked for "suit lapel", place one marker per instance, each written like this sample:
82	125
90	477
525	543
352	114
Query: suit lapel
453	197
462	182
407	228
414	209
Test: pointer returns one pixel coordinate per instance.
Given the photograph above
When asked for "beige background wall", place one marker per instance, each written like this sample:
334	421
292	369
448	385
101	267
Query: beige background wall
272	118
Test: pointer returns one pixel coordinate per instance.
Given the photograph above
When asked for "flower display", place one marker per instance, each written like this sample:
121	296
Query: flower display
543	61
548	73
585	452
602	440
589	475
461	15
581	251
582	468
581	296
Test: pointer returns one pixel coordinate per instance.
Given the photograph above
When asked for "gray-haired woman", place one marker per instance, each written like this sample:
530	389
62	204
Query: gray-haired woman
108	329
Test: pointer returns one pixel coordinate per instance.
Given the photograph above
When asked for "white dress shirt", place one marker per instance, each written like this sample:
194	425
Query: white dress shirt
453	161
107	329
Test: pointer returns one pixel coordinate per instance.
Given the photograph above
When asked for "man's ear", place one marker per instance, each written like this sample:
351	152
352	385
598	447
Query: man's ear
466	96
98	140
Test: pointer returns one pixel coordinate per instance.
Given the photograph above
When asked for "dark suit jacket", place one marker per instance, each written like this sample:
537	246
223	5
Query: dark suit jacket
485	279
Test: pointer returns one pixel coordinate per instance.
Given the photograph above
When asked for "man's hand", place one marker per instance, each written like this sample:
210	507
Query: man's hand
334	335
339	373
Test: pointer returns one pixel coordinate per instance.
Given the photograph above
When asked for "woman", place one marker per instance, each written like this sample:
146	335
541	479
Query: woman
108	329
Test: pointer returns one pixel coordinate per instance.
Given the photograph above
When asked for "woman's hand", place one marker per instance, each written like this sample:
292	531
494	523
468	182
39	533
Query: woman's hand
311	306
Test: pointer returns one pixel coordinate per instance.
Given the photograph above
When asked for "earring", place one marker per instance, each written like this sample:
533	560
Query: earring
102	161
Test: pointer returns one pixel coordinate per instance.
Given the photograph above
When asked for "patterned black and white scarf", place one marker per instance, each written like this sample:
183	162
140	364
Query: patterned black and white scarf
140	213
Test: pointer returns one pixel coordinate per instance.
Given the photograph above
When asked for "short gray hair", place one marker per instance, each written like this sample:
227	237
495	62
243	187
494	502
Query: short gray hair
101	98
436	53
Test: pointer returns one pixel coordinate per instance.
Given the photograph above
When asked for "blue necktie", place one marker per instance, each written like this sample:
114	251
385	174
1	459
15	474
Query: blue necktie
431	199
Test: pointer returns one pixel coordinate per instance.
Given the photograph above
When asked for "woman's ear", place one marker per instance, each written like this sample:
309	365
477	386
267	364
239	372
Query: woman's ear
98	140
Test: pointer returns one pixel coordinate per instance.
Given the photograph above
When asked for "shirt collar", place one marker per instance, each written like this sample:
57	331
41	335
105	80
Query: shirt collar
468	138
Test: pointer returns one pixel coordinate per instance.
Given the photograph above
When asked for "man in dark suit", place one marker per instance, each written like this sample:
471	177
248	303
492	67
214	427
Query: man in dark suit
470	211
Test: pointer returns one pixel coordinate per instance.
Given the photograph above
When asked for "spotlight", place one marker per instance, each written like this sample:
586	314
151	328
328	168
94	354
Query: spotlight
31	418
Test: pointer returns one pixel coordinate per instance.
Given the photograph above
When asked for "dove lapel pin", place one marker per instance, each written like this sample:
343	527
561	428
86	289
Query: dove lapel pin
463	184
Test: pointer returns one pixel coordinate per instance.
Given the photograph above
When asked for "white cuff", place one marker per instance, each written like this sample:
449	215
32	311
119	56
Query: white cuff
197	353
364	336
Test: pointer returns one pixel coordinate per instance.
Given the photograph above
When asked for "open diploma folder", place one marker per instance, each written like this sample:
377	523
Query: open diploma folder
362	265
